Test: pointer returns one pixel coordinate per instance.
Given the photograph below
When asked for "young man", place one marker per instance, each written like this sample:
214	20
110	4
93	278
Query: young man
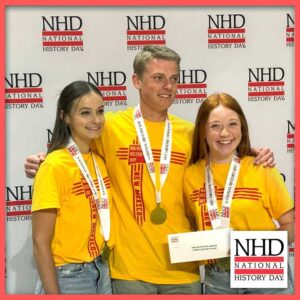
146	151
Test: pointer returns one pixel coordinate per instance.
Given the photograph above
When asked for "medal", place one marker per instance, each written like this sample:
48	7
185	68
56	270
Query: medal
105	252
223	263
158	215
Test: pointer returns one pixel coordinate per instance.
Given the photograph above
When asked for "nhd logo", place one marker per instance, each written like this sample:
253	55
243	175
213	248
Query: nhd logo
23	90
290	137
266	84
290	31
112	85
258	259
62	33
192	87
144	30
18	203
226	31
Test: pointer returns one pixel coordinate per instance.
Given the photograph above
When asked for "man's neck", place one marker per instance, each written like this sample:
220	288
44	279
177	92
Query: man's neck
153	115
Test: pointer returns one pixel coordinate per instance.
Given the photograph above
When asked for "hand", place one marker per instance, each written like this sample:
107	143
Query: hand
264	156
32	164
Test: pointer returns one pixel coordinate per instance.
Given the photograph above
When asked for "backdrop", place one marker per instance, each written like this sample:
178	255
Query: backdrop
247	52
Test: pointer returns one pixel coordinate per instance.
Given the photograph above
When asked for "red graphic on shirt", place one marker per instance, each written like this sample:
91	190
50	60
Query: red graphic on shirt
83	187
134	156
80	188
92	243
199	197
137	192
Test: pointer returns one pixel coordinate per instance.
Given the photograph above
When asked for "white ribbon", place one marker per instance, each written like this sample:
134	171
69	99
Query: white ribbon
102	202
216	220
165	156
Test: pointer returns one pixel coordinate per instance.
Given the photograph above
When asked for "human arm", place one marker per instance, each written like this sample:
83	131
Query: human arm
263	156
286	222
189	214
279	201
32	164
187	186
43	224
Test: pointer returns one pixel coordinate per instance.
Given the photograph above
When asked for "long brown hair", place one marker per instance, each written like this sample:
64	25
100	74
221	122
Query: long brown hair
199	145
73	91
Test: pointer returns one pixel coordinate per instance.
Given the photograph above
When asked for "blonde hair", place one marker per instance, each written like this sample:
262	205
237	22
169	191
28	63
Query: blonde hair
153	51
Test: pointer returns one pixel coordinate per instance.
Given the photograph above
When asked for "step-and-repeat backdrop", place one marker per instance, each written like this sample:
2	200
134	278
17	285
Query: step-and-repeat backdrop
247	52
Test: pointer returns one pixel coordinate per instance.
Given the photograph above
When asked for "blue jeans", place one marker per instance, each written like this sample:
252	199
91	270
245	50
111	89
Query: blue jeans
218	282
142	287
84	278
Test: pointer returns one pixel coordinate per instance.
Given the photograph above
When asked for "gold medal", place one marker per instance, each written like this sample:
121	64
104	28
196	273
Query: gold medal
223	263
158	215
105	252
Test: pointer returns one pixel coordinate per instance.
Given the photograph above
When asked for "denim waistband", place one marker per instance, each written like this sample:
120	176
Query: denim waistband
215	267
95	261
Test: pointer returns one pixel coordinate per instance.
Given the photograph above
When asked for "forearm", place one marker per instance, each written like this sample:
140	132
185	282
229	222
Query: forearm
46	268
286	222
289	227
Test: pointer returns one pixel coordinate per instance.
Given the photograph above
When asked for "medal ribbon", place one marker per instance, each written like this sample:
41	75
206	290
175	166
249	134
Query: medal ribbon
165	156
102	203
216	220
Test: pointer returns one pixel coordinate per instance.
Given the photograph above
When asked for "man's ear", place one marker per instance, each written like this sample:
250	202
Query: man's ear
136	81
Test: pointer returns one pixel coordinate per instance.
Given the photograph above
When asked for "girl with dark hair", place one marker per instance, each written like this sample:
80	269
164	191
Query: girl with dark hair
71	200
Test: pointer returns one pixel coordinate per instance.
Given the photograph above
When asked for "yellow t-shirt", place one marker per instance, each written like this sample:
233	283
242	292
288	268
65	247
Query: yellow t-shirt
141	249
59	184
260	195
